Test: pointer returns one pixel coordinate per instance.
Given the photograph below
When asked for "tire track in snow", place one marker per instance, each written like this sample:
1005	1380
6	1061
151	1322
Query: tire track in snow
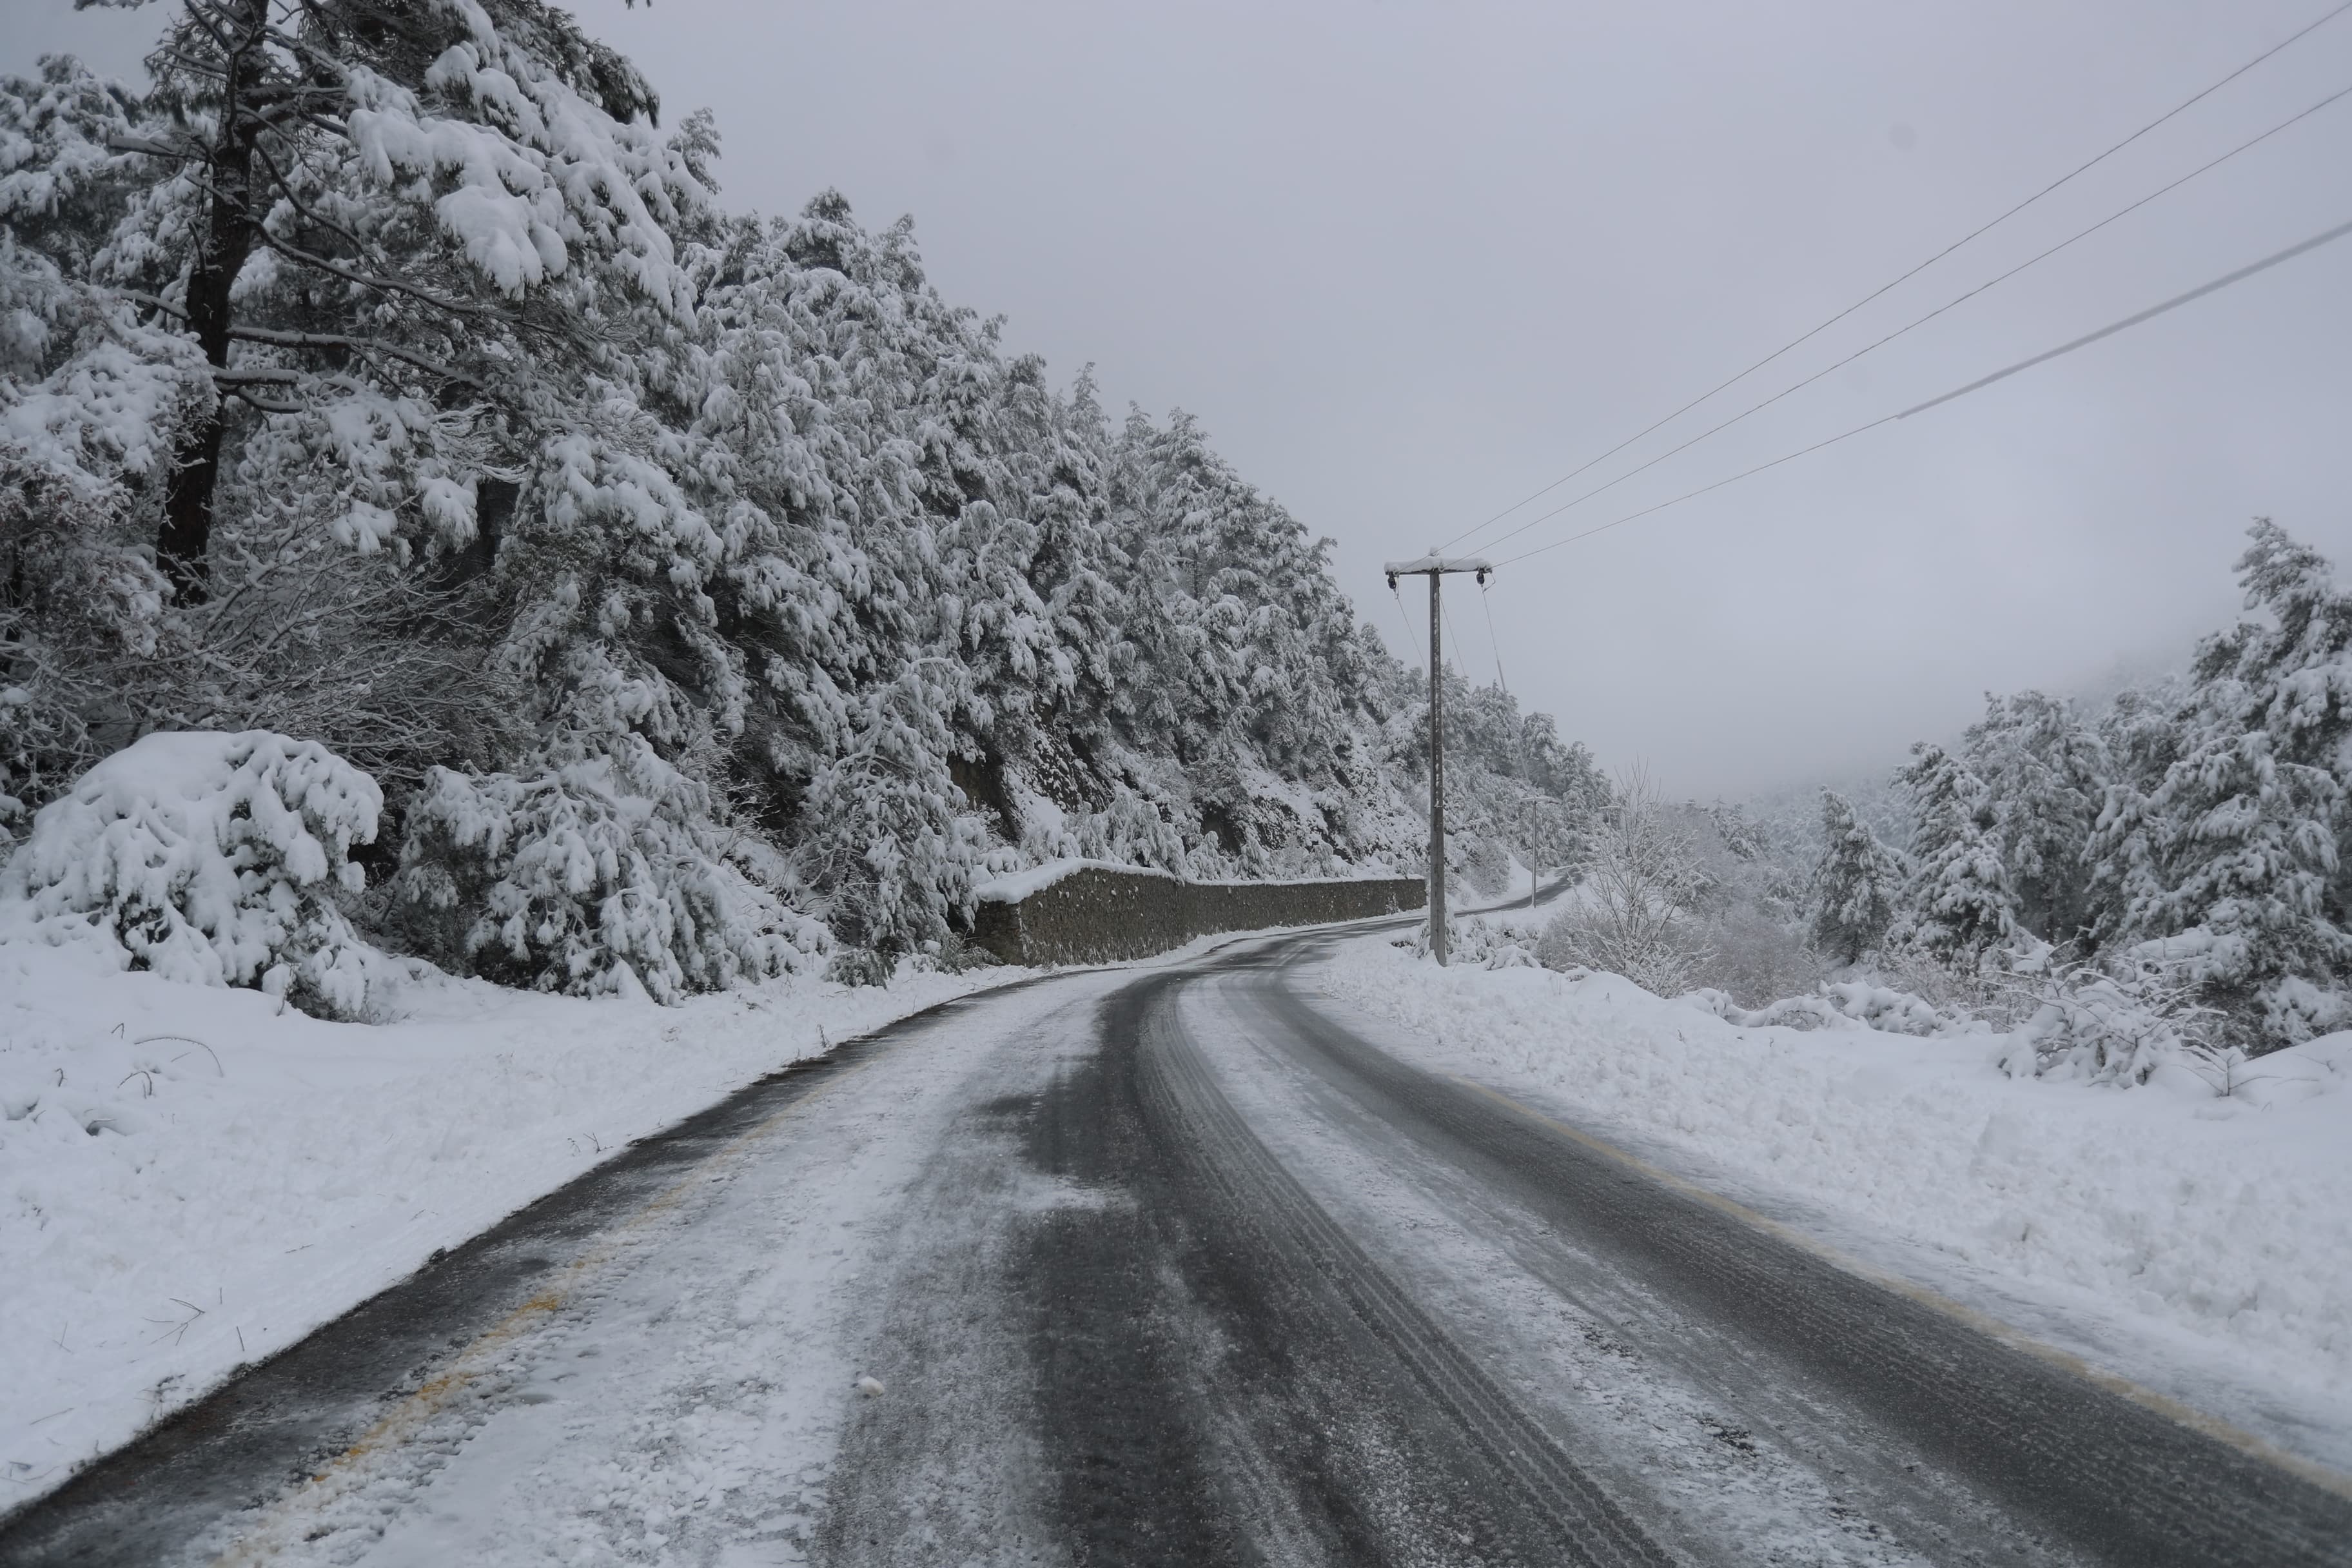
1366	1434
2112	1475
357	1390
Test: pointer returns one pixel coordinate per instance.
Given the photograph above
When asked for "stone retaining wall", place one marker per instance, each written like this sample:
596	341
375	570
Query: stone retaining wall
1095	914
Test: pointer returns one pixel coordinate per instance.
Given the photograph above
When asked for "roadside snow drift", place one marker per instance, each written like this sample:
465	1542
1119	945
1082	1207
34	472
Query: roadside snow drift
192	1177
2148	1214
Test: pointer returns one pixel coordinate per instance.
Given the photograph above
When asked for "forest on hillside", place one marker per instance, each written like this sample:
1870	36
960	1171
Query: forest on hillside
2191	838
697	593
2168	870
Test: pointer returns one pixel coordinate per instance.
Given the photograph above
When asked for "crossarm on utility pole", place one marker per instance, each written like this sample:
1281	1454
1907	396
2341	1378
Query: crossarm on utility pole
1436	567
1432	562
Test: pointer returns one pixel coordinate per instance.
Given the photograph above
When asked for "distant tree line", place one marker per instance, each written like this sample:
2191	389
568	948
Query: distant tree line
2199	828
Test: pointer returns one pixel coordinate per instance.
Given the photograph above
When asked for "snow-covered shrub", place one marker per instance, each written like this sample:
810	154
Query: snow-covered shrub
209	859
860	966
1474	940
1895	1012
2112	1025
1486	868
2293	1008
1634	915
379	657
1846	1004
953	954
1971	989
597	876
1663	956
2222	963
1756	958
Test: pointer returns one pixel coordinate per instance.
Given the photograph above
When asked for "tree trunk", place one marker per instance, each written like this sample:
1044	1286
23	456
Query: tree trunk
183	544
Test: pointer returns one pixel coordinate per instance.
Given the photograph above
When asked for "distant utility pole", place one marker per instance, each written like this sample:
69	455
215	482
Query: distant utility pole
1531	827
1435	567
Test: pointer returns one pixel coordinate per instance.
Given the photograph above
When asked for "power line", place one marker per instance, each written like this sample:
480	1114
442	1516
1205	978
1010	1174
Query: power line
1486	600
2240	276
1921	322
2242	273
1973	234
1692	495
1402	616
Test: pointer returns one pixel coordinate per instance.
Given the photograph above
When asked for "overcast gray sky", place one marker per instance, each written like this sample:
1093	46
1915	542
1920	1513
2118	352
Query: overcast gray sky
1409	262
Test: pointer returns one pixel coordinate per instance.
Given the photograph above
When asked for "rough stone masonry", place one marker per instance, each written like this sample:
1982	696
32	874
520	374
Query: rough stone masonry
1095	914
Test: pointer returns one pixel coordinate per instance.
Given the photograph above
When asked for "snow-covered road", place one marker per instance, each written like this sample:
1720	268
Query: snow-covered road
1172	1266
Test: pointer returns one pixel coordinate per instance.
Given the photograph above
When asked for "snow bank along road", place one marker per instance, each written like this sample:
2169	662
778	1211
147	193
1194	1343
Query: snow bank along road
1171	1265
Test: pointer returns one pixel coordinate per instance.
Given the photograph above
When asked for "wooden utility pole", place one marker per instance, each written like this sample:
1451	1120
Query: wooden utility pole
1531	830
1435	567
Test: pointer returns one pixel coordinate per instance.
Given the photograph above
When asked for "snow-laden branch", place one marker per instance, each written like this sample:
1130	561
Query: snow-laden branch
277	338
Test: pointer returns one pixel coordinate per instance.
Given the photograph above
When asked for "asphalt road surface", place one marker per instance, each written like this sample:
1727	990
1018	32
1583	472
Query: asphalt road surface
1165	1266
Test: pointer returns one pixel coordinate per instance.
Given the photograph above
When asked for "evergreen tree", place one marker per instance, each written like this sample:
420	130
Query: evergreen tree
2233	855
1855	885
1958	903
2043	775
383	231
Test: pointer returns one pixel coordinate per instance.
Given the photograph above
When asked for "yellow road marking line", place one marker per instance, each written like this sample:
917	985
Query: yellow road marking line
344	1472
2172	1409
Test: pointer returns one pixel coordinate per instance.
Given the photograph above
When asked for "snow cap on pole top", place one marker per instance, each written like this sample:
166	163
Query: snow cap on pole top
1435	563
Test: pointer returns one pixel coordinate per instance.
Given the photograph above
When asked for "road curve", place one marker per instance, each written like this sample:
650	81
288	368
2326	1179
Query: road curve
1172	1266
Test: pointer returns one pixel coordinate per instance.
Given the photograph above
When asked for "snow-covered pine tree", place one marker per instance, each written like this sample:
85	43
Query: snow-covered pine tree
385	231
1957	904
94	400
2044	776
352	273
2231	862
1855	886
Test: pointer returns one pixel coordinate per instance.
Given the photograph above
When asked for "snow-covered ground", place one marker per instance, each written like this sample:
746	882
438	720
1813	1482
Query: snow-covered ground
688	1400
192	1177
2199	1243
